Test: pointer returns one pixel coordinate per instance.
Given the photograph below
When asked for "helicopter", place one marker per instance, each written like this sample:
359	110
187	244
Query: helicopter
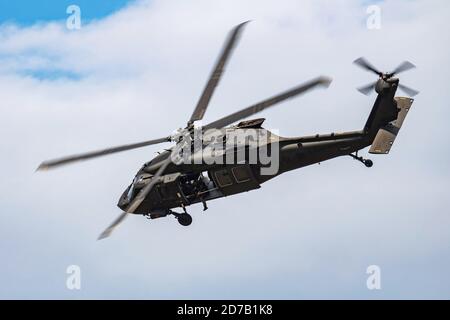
186	174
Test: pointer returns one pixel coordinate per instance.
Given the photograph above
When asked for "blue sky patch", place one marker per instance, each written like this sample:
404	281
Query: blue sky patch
26	12
52	74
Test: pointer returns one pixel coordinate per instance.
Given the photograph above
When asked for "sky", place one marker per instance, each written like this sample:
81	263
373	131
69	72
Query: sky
134	71
28	13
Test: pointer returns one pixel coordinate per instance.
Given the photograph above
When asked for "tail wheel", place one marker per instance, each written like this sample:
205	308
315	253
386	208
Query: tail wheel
368	163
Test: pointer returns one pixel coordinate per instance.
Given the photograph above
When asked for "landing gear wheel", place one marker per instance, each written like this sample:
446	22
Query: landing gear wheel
184	219
368	163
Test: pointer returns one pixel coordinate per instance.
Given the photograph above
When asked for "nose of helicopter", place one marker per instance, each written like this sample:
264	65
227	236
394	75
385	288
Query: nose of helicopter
124	200
139	181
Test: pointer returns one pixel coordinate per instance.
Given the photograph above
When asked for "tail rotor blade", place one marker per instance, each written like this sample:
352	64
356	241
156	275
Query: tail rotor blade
409	91
404	66
366	90
363	63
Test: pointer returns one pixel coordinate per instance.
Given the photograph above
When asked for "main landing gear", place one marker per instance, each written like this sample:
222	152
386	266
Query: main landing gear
367	162
185	219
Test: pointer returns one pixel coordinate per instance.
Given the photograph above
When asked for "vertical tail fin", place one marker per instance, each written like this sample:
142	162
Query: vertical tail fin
386	135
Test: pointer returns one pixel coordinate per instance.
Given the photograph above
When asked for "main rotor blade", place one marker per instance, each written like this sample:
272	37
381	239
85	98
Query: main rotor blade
368	89
50	164
363	63
404	66
112	226
411	92
146	190
258	107
216	74
140	197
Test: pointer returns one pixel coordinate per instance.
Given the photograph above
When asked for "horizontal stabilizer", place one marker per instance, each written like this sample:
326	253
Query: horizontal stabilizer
386	135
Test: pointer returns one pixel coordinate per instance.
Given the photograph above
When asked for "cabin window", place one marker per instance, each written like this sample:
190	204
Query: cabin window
223	178
241	174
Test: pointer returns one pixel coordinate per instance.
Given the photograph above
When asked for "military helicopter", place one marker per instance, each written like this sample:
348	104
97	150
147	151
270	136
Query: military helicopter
172	180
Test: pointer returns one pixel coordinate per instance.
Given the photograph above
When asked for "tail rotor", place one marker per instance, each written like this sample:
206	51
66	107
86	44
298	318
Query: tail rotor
366	65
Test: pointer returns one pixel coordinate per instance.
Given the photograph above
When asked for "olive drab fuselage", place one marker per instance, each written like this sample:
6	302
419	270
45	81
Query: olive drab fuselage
189	183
